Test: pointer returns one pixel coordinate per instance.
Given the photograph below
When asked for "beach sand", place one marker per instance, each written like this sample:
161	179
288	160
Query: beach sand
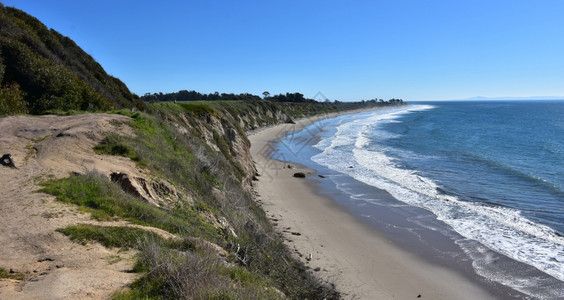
362	263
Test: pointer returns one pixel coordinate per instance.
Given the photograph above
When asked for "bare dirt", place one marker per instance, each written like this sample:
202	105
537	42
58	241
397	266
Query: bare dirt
53	266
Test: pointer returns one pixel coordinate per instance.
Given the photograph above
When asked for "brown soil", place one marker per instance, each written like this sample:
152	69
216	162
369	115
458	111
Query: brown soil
53	266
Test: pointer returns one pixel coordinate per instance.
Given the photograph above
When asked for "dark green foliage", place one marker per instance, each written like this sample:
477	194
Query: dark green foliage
185	95
12	100
52	71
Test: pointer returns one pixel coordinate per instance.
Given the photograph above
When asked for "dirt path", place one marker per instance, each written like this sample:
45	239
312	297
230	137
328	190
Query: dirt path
54	267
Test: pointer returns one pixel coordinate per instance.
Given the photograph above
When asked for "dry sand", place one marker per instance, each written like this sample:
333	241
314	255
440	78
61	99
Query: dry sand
362	263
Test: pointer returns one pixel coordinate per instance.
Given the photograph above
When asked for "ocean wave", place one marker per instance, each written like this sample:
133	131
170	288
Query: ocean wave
501	229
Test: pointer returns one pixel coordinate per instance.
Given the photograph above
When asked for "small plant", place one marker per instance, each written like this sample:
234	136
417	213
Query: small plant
114	144
114	259
109	236
10	275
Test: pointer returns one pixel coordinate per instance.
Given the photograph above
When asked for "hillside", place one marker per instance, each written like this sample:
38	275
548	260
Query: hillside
156	204
42	70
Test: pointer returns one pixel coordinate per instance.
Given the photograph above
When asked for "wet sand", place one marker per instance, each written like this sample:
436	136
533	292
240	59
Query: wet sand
361	262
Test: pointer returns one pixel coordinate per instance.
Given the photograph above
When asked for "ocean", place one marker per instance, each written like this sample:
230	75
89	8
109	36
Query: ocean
487	177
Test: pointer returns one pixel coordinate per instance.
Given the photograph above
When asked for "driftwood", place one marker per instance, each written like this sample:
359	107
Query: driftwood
7	161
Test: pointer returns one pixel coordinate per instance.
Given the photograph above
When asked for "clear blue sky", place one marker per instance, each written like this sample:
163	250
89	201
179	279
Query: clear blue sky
348	50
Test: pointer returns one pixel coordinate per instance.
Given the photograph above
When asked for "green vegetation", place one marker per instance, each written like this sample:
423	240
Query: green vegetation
176	269
111	237
174	274
16	276
106	201
114	144
42	71
185	95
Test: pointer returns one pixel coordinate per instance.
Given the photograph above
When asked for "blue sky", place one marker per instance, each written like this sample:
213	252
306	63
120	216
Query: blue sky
353	50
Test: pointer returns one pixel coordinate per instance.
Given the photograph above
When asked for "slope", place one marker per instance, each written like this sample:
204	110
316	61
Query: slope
42	70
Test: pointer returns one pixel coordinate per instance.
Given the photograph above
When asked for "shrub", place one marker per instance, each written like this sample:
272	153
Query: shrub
12	100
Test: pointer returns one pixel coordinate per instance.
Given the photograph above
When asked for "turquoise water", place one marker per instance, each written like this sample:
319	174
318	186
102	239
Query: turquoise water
491	171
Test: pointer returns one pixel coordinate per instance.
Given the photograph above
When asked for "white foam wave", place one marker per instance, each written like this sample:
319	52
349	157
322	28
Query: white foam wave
501	229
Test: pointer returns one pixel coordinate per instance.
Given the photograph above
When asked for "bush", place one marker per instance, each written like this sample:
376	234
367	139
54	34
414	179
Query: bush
114	144
12	100
173	274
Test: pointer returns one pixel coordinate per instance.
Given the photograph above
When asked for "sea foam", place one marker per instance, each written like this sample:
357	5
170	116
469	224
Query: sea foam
504	230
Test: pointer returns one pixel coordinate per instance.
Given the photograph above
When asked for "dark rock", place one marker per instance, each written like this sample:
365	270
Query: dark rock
63	134
300	175
7	161
45	259
231	134
317	269
321	176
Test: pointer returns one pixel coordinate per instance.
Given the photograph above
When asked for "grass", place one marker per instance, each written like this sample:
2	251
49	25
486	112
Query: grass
105	200
5	275
109	236
173	274
114	144
199	108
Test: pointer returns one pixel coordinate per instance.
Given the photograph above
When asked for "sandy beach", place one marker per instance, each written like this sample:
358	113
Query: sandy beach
362	263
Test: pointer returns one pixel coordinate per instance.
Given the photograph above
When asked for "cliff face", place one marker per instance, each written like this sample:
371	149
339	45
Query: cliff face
222	126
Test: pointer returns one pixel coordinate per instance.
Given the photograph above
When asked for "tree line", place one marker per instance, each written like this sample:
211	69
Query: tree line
185	95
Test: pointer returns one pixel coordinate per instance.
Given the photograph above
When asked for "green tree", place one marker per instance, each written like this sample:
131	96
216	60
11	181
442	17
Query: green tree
12	100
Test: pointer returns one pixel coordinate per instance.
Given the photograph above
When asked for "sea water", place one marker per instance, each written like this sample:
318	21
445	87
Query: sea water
493	172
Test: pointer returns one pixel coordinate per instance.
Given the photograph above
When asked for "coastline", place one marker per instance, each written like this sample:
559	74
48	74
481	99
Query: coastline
338	247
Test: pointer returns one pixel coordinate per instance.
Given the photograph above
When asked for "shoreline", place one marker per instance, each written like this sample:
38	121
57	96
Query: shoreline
339	248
